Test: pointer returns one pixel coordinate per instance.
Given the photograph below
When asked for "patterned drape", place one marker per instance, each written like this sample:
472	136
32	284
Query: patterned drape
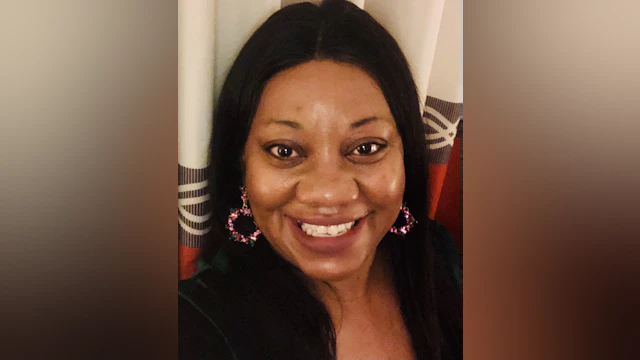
211	33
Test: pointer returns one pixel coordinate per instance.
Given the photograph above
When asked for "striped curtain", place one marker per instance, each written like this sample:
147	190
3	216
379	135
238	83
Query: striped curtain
211	33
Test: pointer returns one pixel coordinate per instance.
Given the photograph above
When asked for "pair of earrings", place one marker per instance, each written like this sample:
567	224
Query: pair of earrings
253	237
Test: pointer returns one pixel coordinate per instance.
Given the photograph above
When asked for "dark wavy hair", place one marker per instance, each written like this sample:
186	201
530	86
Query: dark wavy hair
271	300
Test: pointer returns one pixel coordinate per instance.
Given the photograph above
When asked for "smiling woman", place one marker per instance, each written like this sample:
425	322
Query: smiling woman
318	138
336	162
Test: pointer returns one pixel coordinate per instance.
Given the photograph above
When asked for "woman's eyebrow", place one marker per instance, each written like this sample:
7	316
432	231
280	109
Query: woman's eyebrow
298	126
364	121
289	123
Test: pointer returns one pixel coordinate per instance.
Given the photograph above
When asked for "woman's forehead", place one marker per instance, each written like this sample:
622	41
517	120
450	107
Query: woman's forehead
320	90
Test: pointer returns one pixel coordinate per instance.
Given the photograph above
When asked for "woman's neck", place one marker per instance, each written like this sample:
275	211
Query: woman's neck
366	313
360	292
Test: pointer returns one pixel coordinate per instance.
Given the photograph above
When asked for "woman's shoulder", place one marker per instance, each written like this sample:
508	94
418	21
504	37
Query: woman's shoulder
201	322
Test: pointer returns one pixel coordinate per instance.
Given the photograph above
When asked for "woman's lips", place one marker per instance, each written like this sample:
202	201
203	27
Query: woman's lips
326	243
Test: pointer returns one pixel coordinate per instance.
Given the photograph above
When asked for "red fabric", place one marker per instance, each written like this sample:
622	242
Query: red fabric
437	173
187	261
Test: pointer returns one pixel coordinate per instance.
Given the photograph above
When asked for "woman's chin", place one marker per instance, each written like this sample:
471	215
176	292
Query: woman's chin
331	271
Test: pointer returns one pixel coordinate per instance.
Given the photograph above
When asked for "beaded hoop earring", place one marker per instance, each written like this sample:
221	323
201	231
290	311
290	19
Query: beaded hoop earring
411	221
235	214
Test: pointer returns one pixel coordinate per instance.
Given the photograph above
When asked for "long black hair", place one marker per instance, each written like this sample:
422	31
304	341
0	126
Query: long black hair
430	303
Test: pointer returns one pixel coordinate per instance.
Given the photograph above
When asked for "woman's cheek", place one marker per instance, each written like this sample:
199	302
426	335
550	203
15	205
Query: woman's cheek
268	189
384	184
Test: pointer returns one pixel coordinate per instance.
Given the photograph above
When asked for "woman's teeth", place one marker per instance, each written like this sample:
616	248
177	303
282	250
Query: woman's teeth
326	231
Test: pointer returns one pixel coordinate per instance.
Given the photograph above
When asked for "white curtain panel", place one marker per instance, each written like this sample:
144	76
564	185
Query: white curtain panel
236	21
211	33
415	24
196	61
443	104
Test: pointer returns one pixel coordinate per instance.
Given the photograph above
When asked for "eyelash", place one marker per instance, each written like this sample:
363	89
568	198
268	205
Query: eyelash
275	154
379	147
274	150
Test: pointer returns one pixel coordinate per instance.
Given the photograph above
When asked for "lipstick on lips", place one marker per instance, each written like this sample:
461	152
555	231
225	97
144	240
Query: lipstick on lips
326	235
326	230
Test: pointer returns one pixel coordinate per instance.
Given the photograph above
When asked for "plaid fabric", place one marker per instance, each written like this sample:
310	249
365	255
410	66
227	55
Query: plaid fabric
194	217
441	119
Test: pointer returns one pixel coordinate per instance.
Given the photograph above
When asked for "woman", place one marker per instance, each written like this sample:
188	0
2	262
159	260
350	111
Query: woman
319	178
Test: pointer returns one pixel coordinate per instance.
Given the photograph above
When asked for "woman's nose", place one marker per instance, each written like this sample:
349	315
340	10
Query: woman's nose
327	186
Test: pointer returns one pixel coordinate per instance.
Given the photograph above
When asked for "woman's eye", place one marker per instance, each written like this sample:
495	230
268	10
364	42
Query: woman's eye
367	149
282	151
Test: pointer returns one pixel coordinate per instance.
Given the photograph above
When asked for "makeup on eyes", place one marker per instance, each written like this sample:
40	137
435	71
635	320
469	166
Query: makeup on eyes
353	145
287	150
276	148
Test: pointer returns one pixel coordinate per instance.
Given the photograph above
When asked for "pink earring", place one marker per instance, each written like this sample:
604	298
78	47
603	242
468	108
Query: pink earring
235	213
411	221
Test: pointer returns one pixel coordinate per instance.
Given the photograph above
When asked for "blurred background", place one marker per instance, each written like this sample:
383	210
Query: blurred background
88	151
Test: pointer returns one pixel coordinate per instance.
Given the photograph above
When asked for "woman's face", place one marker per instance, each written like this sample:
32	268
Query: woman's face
324	168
